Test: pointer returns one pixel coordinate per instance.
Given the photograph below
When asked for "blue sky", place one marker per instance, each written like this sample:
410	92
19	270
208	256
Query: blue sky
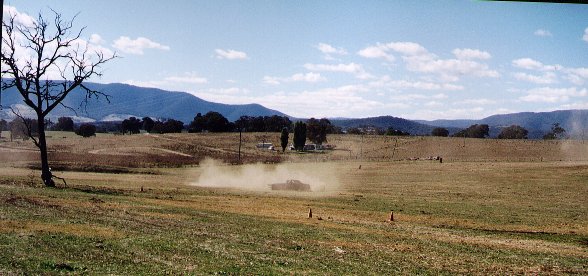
411	59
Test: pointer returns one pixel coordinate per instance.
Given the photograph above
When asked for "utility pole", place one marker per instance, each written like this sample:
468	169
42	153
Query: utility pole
240	139
361	148
394	150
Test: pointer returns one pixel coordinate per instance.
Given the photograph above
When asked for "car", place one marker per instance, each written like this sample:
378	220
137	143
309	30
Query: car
291	185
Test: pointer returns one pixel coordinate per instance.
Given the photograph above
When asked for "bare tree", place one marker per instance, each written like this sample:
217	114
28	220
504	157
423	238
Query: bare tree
45	60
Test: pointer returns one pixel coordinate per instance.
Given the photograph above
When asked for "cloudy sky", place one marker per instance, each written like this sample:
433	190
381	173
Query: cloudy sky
412	59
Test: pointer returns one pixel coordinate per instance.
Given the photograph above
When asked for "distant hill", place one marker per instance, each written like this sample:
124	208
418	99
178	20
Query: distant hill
128	100
537	123
385	122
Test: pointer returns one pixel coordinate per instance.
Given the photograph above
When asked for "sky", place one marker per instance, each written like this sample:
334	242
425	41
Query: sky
426	60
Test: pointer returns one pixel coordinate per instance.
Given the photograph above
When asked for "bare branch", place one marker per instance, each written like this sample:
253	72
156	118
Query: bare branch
54	47
28	125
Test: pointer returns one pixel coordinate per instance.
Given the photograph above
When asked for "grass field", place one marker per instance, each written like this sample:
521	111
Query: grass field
491	207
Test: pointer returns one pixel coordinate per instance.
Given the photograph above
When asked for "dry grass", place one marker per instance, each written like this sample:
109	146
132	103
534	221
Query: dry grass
176	150
490	208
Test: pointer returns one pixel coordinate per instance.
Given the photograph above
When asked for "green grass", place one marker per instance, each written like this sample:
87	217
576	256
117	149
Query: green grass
451	218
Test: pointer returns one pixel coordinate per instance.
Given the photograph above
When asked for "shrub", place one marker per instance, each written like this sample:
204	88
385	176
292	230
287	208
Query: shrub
86	130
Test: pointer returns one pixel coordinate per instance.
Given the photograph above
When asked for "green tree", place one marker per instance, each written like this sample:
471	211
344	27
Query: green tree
440	131
284	138
216	122
299	135
396	132
3	126
316	130
513	132
131	125
168	126
86	130
64	124
557	132
474	131
148	124
198	124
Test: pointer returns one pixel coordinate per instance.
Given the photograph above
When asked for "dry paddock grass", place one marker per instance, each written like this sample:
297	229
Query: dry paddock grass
492	207
175	150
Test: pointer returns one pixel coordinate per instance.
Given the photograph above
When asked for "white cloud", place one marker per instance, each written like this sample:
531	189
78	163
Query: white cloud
170	82
531	64
574	105
585	37
581	72
419	59
471	54
137	46
308	77
19	17
230	54
149	84
448	113
343	101
475	102
329	51
527	63
576	76
382	50
449	69
407	48
386	82
542	33
410	98
228	91
553	95
96	39
378	51
271	80
191	78
546	78
433	104
351	68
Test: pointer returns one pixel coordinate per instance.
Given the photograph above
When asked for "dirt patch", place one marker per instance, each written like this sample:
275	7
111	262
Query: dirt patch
98	190
78	167
82	230
26	201
133	151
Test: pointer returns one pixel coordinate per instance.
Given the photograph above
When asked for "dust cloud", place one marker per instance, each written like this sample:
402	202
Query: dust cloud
575	148
322	177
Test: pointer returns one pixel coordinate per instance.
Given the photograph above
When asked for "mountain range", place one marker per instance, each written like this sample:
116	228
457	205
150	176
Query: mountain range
128	100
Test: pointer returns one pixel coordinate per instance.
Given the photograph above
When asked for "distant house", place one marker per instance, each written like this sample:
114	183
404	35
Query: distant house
269	146
310	147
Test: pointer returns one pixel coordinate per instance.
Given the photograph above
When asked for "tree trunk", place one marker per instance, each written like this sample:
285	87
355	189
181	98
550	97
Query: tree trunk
46	175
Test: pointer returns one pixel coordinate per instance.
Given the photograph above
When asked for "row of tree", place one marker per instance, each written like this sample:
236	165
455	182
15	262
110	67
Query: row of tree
316	129
26	128
510	132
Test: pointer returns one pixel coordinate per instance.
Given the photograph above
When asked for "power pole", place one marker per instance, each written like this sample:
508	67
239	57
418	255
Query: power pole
394	150
240	130
361	148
